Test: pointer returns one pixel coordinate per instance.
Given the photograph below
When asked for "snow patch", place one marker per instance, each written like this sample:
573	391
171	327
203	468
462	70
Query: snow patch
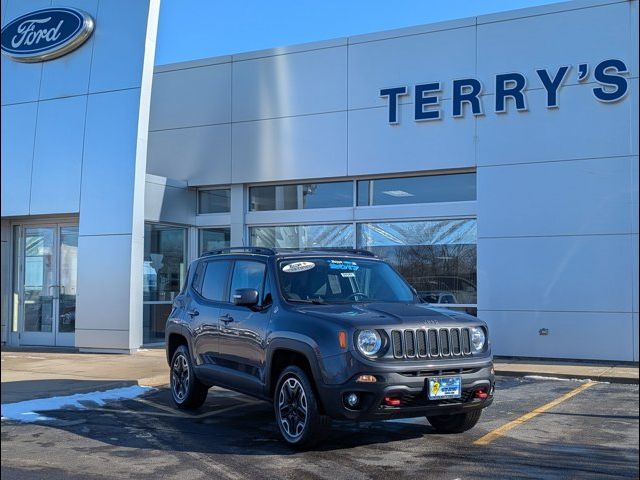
26	411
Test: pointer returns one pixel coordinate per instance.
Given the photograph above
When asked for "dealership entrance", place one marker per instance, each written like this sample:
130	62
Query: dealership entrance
45	259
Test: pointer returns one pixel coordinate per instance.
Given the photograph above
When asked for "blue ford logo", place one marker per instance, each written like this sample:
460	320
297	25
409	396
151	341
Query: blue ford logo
46	34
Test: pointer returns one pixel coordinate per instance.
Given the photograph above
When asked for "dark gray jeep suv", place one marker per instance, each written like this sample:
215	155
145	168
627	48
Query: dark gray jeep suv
324	334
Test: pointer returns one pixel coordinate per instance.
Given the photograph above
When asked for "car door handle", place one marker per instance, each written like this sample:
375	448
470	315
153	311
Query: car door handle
193	313
226	318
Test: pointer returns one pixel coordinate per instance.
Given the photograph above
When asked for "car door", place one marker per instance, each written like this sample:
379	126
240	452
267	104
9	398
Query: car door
210	287
244	329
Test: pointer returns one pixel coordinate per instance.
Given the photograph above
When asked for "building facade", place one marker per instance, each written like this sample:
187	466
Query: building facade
492	160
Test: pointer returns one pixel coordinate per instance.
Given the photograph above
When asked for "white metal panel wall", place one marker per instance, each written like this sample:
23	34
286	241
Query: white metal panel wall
69	75
556	192
74	135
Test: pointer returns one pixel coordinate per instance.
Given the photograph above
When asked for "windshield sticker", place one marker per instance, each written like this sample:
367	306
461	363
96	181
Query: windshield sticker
343	265
348	274
296	267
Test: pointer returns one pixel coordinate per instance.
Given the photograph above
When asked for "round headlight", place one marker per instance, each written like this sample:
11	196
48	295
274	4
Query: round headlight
478	339
368	342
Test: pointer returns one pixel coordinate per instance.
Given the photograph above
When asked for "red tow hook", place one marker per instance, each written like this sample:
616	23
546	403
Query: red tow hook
392	402
481	393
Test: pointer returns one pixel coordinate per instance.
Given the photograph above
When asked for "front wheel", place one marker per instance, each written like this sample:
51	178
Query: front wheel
296	407
186	390
455	423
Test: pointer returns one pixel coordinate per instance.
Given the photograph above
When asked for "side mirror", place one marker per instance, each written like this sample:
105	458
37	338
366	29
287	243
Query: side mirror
246	297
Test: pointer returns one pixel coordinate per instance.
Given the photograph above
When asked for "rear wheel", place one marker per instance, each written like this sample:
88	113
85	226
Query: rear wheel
296	407
455	423
186	390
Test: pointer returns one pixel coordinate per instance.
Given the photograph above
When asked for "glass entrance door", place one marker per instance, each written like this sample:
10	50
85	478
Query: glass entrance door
47	260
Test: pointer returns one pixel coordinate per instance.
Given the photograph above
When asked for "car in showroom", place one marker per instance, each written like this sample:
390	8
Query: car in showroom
324	334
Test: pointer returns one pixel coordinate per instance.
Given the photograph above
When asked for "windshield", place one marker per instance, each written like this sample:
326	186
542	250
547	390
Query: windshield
341	280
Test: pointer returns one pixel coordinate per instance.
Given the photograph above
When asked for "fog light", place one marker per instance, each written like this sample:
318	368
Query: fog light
366	379
352	400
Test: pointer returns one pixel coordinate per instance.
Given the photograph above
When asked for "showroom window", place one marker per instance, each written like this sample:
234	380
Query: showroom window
301	196
217	200
164	270
303	236
213	238
437	257
424	189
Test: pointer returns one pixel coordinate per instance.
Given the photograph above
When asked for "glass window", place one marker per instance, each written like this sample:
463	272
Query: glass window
273	197
68	279
164	261
437	257
164	271
327	195
425	189
247	274
214	201
155	318
214	283
303	236
303	196
213	238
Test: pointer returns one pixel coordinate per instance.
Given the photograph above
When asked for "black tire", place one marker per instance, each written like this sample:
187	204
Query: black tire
187	391
455	423
298	418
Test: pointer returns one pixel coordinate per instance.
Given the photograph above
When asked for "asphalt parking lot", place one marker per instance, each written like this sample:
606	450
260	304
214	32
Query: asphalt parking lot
591	431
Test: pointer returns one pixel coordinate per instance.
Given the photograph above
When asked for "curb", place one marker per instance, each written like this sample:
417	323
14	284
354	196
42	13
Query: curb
597	378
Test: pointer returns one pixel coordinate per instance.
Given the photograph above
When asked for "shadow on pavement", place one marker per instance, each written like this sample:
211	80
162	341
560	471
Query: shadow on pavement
22	390
235	428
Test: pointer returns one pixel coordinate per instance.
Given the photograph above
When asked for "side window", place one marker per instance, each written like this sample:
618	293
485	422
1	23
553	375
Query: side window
196	283
214	282
247	274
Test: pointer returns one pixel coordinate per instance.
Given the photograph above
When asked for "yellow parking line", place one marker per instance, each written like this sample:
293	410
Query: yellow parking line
498	432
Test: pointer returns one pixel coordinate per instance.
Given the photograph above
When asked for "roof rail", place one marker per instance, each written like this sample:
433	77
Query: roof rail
256	250
355	251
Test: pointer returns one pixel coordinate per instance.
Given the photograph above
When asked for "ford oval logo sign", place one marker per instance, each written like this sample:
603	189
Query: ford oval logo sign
46	34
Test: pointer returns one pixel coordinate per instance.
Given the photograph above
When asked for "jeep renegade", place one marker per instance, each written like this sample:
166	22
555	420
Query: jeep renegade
324	334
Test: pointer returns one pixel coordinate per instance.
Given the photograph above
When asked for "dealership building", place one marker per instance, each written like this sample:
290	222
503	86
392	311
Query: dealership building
492	160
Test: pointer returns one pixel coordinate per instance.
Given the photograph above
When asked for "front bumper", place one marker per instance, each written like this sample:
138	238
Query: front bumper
411	388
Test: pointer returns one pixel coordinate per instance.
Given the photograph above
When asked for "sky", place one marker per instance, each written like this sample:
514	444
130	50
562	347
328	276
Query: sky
192	29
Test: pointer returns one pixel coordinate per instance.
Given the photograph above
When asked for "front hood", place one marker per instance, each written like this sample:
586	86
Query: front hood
379	314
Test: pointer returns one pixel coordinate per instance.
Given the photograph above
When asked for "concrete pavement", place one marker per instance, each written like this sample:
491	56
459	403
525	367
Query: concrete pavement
38	373
591	435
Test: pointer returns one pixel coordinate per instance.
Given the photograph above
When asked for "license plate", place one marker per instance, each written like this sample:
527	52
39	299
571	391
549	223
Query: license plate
445	387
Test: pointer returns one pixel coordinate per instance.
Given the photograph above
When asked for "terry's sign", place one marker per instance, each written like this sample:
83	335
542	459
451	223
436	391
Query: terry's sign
609	75
46	34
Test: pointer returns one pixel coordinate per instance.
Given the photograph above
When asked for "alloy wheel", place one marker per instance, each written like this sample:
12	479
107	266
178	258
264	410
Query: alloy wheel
292	407
180	377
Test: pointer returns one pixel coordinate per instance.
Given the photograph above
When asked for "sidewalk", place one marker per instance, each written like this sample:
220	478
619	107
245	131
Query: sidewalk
37	373
598	371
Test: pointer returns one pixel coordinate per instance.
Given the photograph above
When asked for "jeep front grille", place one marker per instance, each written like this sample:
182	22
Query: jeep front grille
431	343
